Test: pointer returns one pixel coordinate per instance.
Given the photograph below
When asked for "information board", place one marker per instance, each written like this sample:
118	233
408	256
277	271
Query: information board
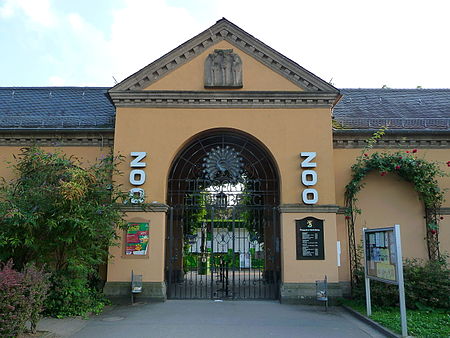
381	259
309	239
383	262
137	237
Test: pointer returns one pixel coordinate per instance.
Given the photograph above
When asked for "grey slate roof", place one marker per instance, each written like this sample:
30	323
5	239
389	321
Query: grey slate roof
90	108
56	108
395	108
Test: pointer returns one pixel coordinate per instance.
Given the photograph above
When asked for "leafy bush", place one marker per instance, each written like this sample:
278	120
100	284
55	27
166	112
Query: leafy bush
63	214
14	308
38	284
22	295
73	297
427	284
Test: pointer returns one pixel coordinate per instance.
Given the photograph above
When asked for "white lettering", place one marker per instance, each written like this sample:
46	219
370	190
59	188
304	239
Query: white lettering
137	195
310	196
309	178
307	161
137	177
136	163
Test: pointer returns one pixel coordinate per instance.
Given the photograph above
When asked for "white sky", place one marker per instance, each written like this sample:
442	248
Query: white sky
353	43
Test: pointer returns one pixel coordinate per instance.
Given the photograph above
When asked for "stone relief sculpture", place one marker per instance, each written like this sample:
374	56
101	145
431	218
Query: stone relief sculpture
223	69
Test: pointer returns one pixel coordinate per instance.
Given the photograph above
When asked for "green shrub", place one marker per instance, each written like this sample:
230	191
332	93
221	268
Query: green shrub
73	297
427	284
62	214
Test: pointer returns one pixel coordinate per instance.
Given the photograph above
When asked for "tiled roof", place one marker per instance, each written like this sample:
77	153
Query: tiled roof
90	107
395	108
56	107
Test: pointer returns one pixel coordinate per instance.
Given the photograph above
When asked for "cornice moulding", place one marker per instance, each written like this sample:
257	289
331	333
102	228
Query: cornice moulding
219	99
148	207
300	208
433	139
24	138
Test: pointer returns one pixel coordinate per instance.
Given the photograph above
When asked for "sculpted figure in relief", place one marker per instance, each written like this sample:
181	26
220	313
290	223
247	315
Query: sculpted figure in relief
223	69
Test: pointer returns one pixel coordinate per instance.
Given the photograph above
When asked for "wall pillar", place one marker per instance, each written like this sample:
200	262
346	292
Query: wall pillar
299	276
150	266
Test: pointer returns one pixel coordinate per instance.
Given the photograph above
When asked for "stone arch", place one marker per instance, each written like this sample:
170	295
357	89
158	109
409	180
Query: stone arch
250	195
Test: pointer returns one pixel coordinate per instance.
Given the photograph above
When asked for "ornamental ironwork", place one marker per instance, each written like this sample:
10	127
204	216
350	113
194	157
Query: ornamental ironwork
223	164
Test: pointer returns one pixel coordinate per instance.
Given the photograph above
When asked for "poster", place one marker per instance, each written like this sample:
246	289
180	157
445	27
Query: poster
386	271
381	254
137	237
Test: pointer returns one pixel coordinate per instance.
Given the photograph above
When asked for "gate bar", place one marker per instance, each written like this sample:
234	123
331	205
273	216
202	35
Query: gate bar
212	253
170	251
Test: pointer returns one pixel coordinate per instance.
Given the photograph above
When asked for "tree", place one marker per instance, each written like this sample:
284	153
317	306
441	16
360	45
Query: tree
63	215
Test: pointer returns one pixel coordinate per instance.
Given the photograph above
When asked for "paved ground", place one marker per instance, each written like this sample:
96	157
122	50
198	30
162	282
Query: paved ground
213	319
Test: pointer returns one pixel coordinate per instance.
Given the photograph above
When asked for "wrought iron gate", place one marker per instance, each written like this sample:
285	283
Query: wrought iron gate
223	226
229	252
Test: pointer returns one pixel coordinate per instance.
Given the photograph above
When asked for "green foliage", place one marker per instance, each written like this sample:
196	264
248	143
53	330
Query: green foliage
22	295
427	286
421	322
190	261
74	297
421	173
62	214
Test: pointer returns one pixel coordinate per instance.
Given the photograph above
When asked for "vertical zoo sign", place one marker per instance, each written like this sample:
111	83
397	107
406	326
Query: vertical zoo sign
309	178
137	177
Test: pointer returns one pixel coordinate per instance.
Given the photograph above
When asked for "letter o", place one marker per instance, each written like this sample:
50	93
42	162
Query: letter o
137	195
313	199
309	177
137	177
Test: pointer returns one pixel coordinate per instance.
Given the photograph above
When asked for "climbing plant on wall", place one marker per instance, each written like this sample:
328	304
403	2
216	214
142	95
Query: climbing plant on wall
422	174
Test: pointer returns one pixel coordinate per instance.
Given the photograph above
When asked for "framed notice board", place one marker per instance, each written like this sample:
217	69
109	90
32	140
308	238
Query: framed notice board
309	239
137	239
381	254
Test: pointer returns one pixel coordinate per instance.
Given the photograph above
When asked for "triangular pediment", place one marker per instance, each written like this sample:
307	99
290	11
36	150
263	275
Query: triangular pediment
224	30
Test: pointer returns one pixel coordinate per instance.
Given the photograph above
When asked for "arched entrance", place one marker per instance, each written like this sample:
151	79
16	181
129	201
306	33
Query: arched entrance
223	223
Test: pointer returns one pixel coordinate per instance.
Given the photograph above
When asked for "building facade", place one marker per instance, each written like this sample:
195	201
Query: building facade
237	160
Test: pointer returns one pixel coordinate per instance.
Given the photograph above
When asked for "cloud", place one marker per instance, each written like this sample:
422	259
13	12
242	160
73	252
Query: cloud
358	44
38	11
7	10
56	81
76	22
143	31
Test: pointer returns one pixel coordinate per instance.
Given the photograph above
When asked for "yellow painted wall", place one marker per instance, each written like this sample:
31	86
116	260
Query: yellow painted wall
151	266
388	200
162	134
84	154
308	271
285	132
256	76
